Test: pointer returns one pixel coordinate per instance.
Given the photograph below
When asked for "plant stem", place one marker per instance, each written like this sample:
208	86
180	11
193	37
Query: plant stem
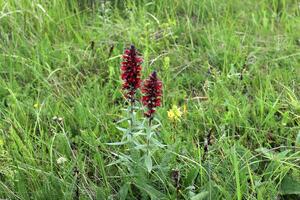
131	115
149	132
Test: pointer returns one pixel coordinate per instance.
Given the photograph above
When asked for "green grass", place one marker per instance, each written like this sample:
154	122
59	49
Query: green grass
62	58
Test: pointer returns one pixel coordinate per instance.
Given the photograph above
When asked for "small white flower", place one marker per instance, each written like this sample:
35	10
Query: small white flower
61	160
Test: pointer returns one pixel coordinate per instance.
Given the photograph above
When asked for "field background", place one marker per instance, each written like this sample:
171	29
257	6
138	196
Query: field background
234	64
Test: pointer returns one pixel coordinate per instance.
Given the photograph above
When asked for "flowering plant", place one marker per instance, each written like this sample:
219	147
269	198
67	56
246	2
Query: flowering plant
175	113
131	73
140	132
152	94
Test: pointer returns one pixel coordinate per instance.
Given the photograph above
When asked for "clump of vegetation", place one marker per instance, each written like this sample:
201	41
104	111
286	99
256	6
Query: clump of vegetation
139	134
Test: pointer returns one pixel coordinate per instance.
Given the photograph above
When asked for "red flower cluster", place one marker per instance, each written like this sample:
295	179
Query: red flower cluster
152	92
131	76
131	72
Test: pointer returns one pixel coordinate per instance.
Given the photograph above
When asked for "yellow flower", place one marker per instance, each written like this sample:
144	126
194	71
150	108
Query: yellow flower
36	105
174	114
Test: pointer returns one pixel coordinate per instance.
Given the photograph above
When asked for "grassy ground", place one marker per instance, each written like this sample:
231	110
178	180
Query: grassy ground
235	65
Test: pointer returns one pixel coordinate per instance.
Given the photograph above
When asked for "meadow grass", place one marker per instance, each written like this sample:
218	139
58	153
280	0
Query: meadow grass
234	64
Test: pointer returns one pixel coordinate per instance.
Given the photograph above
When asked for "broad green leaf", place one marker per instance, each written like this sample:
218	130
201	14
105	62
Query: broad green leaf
290	185
282	155
149	189
124	191
266	152
200	196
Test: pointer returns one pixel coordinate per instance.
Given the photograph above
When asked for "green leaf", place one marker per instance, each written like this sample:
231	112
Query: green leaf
124	191
122	129
142	184
290	185
148	162
140	146
121	120
155	126
266	152
157	143
298	140
191	176
200	196
282	155
149	135
116	143
135	134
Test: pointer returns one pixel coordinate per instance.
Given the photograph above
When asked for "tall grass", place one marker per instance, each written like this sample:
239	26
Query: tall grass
234	64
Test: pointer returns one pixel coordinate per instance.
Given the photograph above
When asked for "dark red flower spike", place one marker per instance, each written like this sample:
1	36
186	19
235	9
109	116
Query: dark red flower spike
152	92
131	72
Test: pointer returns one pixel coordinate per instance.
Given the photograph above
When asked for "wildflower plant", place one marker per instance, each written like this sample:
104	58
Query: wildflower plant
140	131
131	73
152	93
131	76
175	114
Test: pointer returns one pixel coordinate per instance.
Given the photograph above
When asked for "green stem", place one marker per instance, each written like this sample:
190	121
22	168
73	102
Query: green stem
148	132
131	116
